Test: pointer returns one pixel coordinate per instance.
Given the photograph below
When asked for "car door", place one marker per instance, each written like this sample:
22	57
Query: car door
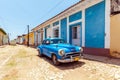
46	48
43	47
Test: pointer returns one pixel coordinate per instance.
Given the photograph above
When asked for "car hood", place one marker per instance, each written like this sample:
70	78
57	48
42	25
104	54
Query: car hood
66	47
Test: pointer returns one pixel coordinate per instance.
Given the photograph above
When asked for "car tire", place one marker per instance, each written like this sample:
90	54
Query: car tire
55	61
39	53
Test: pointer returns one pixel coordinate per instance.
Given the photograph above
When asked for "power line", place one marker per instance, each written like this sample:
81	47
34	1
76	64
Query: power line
25	30
2	25
53	8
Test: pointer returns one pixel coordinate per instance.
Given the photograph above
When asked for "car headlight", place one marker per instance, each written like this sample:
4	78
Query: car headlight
61	52
81	49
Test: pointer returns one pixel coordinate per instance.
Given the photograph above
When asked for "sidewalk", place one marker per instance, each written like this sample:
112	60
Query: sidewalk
103	59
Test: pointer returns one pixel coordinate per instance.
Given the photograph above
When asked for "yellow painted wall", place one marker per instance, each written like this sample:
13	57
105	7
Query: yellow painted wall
31	38
25	40
1	36
115	36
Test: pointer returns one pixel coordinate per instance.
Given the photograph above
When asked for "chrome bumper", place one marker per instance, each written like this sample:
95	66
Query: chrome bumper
72	59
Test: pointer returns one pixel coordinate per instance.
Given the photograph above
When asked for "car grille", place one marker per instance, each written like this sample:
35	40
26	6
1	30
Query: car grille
72	55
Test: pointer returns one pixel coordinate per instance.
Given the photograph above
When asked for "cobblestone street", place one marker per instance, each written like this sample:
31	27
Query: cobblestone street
23	63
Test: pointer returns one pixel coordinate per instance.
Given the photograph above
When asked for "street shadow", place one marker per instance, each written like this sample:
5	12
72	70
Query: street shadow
71	65
106	60
64	66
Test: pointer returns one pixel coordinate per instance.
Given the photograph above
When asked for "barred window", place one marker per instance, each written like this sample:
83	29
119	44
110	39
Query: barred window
56	32
74	35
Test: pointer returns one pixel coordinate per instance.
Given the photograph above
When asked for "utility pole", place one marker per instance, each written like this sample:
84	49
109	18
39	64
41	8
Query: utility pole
28	36
8	39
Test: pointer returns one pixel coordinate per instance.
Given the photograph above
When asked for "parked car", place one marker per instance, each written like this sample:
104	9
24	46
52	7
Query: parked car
59	51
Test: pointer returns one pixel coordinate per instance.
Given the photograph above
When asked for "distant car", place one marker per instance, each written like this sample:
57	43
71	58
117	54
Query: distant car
59	51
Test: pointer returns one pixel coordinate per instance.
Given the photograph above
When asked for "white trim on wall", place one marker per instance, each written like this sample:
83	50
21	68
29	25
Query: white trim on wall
68	30
59	29
74	22
83	28
34	37
49	32
107	24
51	25
43	33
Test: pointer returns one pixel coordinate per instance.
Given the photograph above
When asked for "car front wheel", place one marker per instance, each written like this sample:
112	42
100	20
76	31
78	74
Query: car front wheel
55	61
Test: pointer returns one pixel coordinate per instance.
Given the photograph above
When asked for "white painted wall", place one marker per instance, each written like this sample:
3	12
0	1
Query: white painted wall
59	29
83	28
39	38
107	24
43	33
49	32
68	30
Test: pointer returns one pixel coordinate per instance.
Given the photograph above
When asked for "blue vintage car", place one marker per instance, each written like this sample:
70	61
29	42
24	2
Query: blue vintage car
59	51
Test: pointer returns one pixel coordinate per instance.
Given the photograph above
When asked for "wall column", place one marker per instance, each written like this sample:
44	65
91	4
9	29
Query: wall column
107	24
43	33
59	29
83	28
68	30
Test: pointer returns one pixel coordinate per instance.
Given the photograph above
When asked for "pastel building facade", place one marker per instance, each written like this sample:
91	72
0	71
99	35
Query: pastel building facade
115	28
19	40
3	37
86	24
25	39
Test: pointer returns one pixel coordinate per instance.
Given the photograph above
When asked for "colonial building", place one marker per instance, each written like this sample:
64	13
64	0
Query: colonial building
19	40
31	39
25	39
3	37
115	28
86	24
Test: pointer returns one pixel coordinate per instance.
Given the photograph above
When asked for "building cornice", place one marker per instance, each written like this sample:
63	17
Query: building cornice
69	11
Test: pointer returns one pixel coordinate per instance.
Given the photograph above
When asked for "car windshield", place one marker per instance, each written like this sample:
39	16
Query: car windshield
56	41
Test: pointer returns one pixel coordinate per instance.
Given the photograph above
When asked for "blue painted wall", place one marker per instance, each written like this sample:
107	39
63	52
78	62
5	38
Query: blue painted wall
75	16
64	29
70	31
95	26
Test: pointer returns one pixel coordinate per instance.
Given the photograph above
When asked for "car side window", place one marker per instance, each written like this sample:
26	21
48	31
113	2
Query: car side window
43	42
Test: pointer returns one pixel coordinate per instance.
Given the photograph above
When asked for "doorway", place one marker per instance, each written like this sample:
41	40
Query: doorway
76	35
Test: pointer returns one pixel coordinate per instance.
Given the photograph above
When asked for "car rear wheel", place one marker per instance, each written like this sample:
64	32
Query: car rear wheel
55	61
39	53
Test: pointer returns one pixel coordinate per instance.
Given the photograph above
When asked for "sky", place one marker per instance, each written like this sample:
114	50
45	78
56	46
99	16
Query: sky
15	15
